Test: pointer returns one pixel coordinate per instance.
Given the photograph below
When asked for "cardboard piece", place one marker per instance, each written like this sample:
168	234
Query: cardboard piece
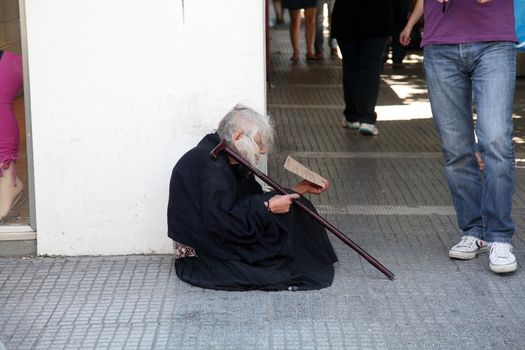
297	168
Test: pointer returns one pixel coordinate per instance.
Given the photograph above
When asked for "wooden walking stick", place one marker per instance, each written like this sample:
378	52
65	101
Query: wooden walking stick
223	146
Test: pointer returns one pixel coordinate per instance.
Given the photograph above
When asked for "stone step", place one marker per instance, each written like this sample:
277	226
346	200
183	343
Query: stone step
17	241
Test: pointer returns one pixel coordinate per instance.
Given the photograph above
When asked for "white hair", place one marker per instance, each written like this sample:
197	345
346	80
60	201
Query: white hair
248	149
249	122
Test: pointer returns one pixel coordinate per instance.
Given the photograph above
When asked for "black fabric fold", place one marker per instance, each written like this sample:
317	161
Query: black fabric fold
218	209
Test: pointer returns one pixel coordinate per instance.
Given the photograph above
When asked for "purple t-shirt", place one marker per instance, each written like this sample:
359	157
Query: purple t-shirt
467	21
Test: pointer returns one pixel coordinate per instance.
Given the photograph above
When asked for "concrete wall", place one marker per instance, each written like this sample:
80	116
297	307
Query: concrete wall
120	89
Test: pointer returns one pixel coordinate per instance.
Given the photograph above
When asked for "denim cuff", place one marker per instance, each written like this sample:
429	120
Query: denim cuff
498	237
474	232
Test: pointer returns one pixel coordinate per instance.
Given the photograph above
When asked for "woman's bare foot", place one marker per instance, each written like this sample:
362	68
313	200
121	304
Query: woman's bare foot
313	57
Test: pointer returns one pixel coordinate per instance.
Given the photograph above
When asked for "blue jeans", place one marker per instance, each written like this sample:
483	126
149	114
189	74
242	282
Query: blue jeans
456	75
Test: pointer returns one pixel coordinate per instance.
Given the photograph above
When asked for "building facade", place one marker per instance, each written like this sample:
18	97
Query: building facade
115	92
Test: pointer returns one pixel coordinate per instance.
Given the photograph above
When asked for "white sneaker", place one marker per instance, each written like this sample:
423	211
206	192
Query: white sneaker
501	258
468	248
368	129
349	125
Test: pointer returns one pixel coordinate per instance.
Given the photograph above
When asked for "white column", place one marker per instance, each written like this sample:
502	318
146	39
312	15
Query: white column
119	91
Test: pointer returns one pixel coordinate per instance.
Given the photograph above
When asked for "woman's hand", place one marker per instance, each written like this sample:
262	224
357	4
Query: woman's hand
280	204
306	186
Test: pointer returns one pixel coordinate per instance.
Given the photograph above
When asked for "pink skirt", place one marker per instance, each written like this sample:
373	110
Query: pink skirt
11	83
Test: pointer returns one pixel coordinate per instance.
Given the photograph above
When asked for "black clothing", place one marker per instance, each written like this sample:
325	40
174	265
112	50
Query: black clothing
218	209
362	60
362	19
298	4
400	9
362	28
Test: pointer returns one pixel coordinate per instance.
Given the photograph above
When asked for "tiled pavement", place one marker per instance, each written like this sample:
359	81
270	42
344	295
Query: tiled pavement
388	194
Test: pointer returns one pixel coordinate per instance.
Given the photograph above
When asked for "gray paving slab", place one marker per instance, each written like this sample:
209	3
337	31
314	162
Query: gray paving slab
388	194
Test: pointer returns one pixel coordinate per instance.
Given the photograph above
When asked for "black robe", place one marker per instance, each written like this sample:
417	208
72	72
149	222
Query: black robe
218	209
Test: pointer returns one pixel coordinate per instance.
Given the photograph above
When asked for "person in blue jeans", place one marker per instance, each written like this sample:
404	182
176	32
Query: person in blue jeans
470	59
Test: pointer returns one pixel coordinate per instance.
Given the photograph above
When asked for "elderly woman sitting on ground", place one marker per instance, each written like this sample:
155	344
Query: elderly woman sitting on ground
228	233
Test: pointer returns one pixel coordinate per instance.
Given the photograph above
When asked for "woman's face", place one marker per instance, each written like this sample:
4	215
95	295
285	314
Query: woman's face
251	148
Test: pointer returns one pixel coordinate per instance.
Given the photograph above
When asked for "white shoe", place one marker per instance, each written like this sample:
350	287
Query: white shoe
350	125
368	129
501	258
468	248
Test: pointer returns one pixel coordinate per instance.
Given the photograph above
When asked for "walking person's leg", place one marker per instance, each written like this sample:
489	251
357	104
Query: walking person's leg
370	62
331	40
319	28
450	94
309	32
350	52
10	85
400	18
295	31
277	7
493	81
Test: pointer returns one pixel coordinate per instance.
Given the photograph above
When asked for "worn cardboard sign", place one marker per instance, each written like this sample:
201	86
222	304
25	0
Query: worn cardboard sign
298	169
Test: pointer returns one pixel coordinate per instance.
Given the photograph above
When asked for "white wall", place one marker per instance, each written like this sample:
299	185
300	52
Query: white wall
120	89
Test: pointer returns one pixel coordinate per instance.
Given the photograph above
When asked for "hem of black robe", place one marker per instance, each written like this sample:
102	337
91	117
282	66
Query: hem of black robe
194	272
